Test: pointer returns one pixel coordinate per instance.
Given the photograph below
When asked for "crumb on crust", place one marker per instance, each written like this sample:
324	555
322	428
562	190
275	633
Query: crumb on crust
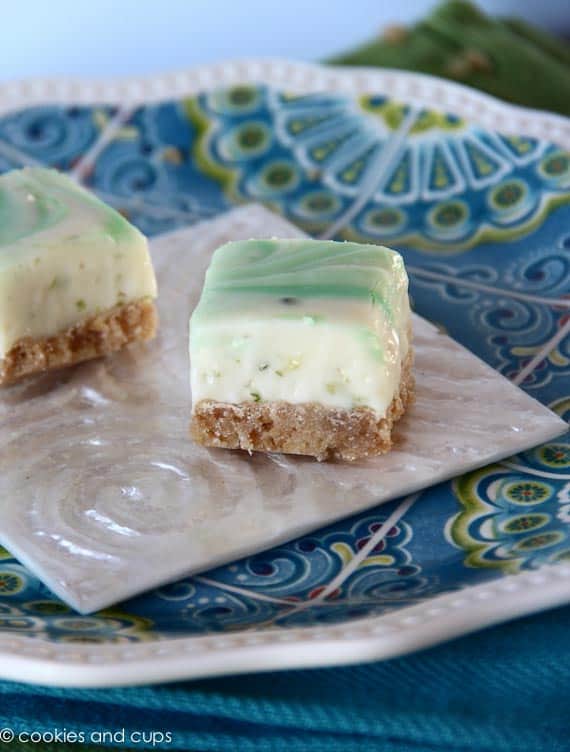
309	428
98	335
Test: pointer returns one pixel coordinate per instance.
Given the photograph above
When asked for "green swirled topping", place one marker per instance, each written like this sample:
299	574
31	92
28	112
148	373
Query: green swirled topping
26	209
293	270
64	256
301	321
33	200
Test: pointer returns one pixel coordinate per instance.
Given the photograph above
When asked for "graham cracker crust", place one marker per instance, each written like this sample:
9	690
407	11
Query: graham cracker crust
310	429
99	335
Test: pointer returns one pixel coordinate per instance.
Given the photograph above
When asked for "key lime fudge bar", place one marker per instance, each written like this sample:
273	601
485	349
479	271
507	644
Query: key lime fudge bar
76	279
301	346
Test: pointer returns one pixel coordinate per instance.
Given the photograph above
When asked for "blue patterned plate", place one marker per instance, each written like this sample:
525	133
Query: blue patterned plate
476	194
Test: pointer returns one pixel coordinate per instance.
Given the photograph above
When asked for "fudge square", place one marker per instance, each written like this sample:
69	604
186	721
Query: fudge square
76	279
301	346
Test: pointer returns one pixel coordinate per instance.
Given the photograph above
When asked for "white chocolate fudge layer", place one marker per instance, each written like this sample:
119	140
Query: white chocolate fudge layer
301	321
65	257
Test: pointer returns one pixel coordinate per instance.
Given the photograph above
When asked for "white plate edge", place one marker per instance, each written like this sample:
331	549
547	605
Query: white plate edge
296	76
38	661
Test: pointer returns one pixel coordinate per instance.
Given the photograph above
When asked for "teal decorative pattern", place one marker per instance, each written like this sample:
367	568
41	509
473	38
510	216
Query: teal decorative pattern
511	519
55	136
482	219
301	570
444	185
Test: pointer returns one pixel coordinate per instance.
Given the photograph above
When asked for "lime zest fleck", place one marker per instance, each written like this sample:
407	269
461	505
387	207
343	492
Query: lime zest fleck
312	319
80	304
256	396
239	342
211	376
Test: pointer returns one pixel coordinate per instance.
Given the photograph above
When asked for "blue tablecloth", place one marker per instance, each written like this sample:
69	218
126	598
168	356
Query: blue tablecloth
505	688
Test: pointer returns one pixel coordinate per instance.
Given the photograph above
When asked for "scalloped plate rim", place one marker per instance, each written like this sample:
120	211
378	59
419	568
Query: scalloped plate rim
359	79
38	661
412	628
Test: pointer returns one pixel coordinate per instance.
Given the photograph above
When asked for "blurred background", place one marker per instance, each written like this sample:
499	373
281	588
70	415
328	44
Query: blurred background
133	37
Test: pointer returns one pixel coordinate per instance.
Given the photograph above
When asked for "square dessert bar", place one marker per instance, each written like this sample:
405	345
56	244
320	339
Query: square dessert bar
76	279
301	346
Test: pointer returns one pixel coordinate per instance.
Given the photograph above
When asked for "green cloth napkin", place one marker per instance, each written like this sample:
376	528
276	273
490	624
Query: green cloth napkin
504	57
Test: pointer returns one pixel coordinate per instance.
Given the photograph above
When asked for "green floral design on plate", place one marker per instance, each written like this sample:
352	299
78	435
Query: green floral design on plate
494	531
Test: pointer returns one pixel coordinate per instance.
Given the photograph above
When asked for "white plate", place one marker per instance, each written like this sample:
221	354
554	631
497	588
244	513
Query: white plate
393	579
115	498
